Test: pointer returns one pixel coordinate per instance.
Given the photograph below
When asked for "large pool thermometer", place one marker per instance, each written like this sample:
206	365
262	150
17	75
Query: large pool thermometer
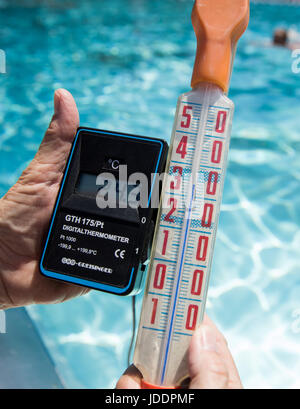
175	295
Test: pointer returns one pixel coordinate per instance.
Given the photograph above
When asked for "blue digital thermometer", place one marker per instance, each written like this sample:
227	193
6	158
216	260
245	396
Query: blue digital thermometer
93	240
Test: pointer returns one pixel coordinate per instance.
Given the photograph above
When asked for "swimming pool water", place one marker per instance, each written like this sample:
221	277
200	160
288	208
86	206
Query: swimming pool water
126	62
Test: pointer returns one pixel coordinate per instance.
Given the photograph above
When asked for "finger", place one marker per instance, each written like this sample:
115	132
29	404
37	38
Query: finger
207	367
234	378
62	128
49	162
131	379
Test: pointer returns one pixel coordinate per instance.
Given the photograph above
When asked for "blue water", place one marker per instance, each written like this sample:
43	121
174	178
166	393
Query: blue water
126	62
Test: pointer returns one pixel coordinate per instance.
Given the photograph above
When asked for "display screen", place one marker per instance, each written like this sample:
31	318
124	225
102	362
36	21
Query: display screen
87	186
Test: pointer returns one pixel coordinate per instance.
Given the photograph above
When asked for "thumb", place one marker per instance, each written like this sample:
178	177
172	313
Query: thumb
49	162
207	368
60	134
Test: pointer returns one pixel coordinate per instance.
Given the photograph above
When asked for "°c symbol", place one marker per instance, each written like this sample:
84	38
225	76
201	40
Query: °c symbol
115	164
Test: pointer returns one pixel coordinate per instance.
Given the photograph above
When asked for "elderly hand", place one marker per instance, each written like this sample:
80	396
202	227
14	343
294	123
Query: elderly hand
25	213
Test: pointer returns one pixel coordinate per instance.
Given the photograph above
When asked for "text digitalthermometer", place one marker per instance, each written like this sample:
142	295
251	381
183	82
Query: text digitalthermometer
175	294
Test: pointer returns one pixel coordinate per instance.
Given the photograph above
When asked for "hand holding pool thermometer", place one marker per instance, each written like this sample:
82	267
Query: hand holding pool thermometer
176	290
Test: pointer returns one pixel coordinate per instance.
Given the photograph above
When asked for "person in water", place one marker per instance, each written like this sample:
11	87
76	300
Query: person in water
284	38
25	212
280	37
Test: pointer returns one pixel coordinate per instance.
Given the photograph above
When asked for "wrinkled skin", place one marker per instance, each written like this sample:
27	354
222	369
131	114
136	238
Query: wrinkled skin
25	212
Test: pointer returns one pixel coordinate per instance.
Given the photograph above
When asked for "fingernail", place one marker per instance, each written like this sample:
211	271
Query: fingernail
59	95
208	339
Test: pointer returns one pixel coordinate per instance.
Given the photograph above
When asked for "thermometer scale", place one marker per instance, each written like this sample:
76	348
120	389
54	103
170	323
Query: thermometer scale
175	295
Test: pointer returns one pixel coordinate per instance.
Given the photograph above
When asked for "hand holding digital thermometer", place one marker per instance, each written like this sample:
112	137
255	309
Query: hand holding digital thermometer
176	290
